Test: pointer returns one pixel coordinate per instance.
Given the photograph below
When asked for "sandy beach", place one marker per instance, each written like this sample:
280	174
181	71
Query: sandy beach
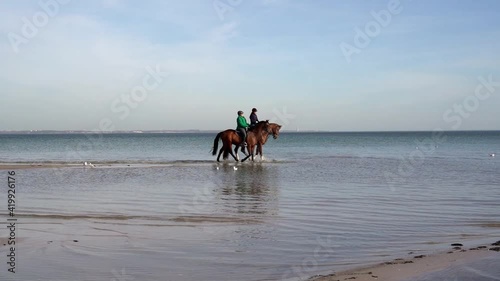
416	268
421	265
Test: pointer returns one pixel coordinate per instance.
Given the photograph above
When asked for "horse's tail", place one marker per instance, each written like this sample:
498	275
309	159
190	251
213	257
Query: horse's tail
216	143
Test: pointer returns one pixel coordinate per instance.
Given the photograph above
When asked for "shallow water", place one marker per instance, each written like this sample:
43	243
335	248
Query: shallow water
341	201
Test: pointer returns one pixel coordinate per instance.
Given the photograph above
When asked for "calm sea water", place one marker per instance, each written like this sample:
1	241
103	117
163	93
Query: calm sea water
320	202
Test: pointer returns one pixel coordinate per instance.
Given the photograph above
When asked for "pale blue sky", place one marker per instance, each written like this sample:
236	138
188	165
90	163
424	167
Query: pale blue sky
281	56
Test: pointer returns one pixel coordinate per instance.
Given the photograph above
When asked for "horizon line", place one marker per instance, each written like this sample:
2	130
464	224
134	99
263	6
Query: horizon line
212	131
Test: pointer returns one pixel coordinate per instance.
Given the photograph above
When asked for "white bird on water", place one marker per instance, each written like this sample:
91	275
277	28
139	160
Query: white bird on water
492	154
235	168
89	164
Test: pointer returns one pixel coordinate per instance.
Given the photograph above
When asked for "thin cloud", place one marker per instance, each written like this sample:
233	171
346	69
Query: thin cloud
278	53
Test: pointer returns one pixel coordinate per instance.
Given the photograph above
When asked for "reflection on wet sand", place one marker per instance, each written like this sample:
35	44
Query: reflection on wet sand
252	190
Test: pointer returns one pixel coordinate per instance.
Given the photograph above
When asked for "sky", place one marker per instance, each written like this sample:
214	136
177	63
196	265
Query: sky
380	65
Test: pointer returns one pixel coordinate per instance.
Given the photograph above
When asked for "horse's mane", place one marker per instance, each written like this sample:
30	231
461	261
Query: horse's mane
260	123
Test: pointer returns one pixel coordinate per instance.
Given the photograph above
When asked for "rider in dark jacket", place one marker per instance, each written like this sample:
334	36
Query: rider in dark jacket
253	117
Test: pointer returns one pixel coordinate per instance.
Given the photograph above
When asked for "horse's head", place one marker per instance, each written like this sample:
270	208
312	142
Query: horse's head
274	129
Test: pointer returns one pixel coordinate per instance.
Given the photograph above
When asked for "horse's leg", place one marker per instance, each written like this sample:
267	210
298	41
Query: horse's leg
230	151
259	149
225	153
232	154
250	153
251	149
244	159
220	152
244	151
236	152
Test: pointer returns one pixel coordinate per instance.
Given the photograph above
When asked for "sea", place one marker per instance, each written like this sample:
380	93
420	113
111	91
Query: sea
160	207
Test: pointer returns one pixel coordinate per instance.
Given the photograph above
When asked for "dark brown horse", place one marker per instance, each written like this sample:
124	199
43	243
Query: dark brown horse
272	129
231	137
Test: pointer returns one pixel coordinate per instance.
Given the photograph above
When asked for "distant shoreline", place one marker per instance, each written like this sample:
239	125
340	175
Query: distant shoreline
79	132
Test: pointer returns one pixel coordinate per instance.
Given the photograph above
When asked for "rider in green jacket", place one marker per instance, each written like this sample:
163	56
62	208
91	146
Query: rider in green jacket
242	126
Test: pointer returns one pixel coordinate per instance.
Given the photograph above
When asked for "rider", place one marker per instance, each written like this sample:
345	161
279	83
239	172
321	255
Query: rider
242	126
253	118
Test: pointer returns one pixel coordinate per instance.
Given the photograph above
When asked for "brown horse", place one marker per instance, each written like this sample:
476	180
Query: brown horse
230	137
272	129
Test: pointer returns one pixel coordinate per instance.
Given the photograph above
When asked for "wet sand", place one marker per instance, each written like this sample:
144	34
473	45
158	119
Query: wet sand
429	267
477	264
409	269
